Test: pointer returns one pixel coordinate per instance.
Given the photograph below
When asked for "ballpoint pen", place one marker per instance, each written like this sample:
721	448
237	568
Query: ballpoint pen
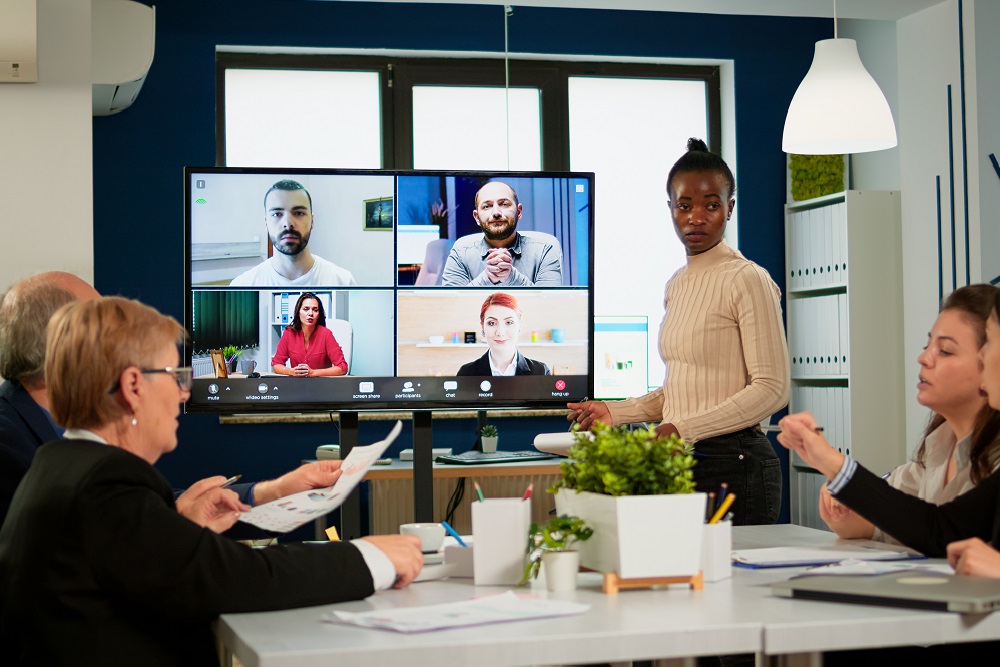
451	531
229	482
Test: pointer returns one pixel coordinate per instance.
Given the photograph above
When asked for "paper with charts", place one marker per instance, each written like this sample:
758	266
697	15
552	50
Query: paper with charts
288	513
500	608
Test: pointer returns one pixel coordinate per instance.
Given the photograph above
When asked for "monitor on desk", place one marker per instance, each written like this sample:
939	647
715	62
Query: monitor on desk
264	245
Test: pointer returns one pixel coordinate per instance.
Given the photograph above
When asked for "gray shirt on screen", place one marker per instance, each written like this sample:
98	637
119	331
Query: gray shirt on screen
537	263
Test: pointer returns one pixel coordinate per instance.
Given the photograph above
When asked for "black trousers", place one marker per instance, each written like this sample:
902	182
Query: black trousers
745	460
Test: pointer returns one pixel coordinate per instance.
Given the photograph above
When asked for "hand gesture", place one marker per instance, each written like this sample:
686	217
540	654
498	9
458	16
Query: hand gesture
799	434
974	557
586	413
315	475
842	519
210	506
498	265
404	552
302	370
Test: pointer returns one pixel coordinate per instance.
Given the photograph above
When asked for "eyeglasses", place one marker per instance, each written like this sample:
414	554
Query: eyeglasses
182	375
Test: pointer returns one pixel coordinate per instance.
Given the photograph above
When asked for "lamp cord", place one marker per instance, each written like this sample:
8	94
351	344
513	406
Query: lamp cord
507	12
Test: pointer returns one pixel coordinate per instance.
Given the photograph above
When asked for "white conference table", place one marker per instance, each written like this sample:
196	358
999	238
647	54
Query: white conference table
736	615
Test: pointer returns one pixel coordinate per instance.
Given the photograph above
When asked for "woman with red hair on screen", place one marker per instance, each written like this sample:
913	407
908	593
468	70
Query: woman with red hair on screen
500	319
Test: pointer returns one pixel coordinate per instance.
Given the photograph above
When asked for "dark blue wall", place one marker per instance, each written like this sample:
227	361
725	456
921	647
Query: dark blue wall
139	154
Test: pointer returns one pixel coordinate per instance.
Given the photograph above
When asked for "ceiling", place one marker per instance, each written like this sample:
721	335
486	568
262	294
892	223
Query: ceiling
889	10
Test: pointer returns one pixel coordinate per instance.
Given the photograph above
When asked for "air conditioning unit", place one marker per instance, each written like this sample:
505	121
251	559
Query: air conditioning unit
123	36
18	42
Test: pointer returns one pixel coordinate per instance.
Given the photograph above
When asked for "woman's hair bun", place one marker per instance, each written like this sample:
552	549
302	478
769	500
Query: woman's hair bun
695	144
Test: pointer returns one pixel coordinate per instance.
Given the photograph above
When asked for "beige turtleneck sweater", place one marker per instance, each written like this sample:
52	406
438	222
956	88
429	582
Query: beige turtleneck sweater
723	342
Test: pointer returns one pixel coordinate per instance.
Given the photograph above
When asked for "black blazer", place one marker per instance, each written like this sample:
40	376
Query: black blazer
98	568
23	428
525	366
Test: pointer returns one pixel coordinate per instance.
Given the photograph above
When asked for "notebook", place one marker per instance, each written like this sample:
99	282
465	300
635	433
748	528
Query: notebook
911	589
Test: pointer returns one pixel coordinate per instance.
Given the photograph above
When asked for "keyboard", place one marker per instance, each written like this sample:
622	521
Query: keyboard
475	457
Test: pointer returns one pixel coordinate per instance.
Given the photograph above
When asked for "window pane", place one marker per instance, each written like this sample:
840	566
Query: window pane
465	127
303	118
629	132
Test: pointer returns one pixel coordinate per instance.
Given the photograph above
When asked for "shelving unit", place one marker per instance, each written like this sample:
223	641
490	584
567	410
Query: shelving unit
844	313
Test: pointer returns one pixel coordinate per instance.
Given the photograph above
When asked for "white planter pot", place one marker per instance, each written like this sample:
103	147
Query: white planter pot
489	443
560	568
639	536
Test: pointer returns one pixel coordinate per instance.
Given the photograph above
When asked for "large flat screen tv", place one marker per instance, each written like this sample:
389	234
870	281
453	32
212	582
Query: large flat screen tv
420	312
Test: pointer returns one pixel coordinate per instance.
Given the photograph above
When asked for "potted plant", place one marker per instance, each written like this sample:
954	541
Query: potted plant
637	492
551	546
489	436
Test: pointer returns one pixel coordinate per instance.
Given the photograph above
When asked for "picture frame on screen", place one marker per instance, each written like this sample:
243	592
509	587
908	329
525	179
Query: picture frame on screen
490	308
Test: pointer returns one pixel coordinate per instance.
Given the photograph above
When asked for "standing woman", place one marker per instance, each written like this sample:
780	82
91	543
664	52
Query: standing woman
723	342
307	346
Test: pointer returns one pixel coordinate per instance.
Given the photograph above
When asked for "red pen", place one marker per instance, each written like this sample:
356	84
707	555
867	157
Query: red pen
527	492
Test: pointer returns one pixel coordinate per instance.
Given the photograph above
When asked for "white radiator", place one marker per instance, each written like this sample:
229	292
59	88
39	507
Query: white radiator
200	367
392	499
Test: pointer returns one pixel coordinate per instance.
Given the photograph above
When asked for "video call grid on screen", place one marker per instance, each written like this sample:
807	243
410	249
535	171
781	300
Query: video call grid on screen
412	341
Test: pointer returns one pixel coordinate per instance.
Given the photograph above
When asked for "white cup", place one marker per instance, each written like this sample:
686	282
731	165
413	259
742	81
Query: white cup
431	535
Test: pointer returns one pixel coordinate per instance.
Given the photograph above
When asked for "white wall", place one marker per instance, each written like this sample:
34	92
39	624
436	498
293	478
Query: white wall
46	174
984	131
928	56
877	47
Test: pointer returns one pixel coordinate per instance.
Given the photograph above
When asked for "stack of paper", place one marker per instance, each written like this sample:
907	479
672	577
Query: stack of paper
493	609
806	556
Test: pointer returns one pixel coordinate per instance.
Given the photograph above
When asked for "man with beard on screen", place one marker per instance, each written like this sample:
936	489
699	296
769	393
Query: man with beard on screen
288	218
500	256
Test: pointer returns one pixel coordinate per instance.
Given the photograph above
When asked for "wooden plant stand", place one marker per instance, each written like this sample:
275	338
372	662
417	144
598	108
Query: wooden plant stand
613	583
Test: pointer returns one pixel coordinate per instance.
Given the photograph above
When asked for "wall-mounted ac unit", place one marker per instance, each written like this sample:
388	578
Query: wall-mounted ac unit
18	41
123	36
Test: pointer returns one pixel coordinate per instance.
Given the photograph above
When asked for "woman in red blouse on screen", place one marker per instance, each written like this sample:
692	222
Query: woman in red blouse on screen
307	348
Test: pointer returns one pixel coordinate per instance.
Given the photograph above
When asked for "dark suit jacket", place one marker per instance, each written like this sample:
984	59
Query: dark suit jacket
23	427
98	568
525	366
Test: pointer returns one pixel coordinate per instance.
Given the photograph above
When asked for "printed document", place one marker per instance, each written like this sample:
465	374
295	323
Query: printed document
288	513
480	611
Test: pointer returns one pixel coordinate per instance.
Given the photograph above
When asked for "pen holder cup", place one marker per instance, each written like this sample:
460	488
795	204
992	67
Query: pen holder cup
716	551
459	560
500	532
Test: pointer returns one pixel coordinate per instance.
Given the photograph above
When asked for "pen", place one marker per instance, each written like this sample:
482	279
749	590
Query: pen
774	428
527	492
479	492
709	506
451	531
723	489
229	482
585	399
723	508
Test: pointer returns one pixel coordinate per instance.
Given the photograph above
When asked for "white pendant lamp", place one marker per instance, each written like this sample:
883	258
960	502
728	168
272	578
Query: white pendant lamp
838	107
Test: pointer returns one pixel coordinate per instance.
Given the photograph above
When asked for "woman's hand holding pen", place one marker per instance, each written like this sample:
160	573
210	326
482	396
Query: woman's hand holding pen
586	413
209	505
801	434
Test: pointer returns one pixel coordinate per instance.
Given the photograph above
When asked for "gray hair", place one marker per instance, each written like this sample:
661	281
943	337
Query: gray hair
25	311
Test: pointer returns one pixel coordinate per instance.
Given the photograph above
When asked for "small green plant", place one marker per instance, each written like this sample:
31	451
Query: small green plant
618	461
231	352
816	175
489	431
559	534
